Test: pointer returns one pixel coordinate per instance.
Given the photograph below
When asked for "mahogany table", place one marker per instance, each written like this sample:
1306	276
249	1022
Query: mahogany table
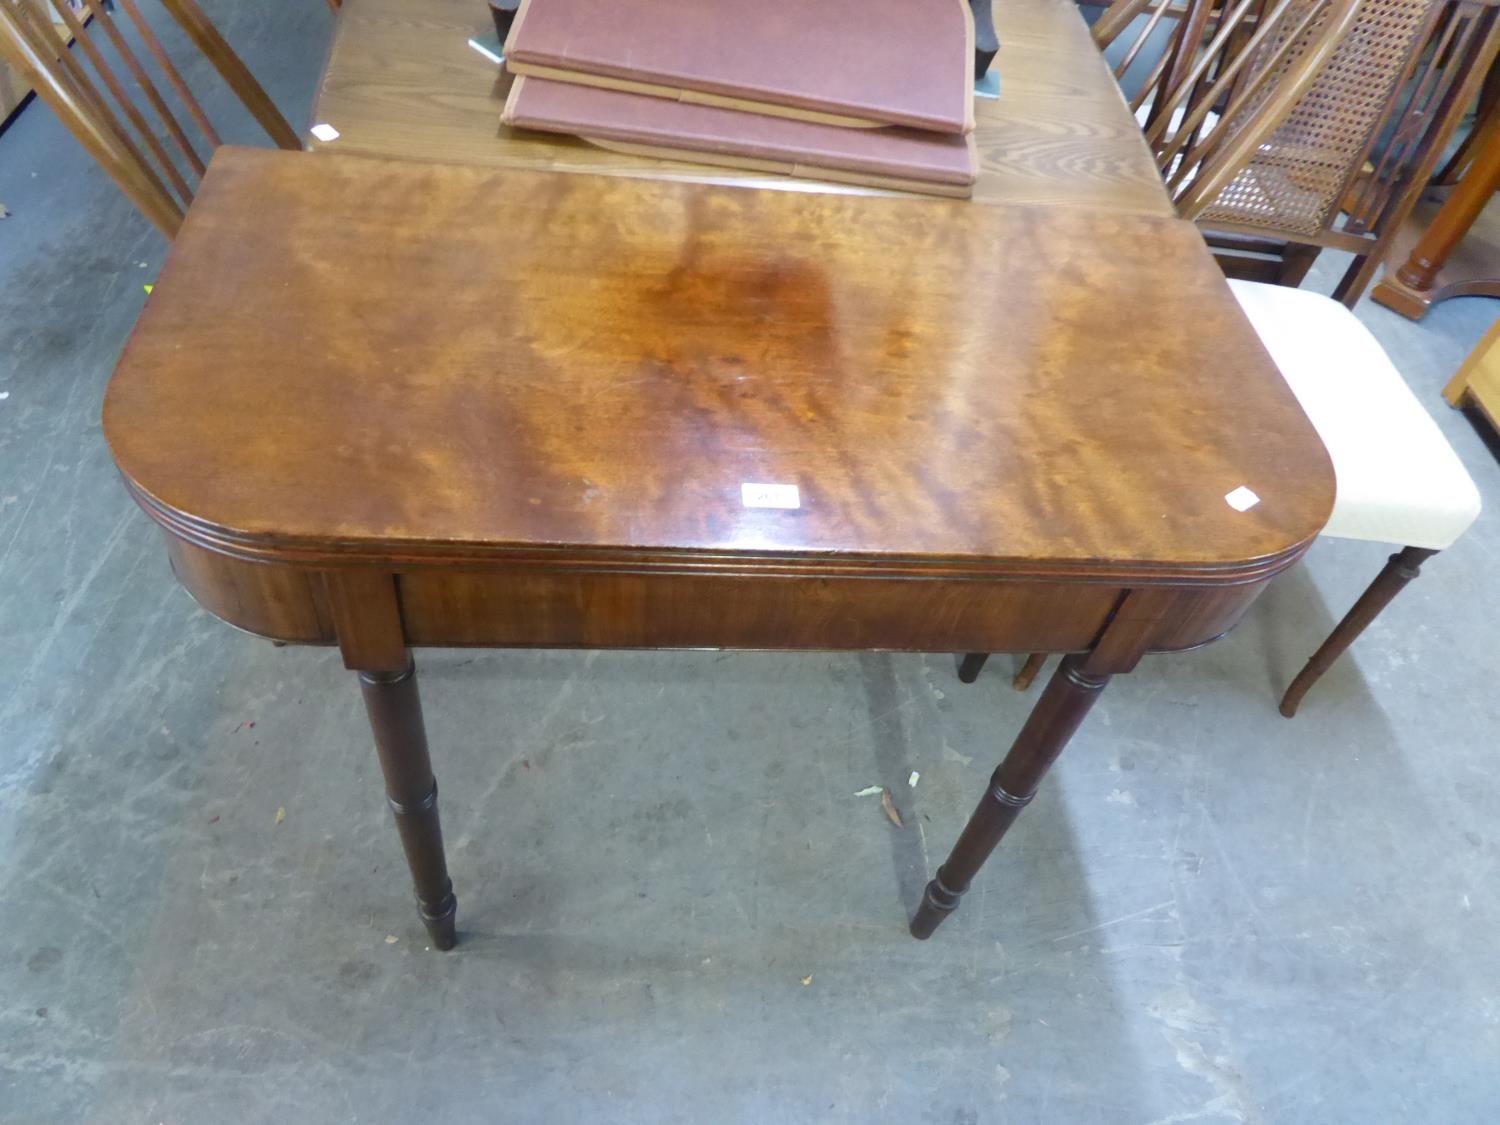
401	81
512	408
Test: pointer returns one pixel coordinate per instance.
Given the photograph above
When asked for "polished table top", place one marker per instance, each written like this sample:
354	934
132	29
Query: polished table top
402	82
490	364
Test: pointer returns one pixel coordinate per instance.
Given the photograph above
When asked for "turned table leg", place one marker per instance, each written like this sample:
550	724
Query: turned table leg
395	710
1058	713
971	665
986	42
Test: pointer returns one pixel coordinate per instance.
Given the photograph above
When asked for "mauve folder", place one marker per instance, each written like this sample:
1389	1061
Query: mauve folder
937	163
849	62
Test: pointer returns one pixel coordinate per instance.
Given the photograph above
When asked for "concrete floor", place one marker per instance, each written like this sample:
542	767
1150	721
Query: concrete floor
672	906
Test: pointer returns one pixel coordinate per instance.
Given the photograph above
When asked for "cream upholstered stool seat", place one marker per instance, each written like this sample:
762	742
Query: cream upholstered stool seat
1397	478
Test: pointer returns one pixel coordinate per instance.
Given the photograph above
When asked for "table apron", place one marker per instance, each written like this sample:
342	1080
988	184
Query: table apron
569	609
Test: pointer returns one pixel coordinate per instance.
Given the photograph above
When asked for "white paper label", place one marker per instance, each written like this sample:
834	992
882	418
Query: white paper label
1242	499
770	495
325	132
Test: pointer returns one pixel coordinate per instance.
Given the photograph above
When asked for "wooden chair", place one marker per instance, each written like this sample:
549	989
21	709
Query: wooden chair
1284	127
155	165
1486	122
1398	479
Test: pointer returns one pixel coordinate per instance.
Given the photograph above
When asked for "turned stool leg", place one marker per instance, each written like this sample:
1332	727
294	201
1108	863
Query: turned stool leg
1069	695
1403	566
395	710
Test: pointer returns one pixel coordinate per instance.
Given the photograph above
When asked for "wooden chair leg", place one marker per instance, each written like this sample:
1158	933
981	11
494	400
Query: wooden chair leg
1486	122
970	665
1028	671
1403	566
1296	262
1361	272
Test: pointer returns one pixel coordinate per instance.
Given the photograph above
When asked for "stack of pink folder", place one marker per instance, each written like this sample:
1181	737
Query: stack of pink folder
875	92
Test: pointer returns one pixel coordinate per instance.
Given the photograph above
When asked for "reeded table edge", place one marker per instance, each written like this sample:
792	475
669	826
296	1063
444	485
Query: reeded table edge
331	553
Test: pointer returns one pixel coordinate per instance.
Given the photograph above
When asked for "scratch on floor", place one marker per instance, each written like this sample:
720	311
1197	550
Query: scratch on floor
503	773
1115	921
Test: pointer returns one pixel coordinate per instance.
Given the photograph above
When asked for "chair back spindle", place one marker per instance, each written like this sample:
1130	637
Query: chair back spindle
1286	126
95	70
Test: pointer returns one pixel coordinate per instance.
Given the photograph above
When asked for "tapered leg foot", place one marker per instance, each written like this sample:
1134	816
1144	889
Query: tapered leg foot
970	666
1402	567
395	710
442	926
1058	713
937	903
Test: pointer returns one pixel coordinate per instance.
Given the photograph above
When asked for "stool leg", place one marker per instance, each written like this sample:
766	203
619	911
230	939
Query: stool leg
1403	566
1058	713
395	711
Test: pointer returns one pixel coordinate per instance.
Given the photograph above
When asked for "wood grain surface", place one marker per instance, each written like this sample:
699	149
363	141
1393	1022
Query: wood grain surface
402	82
427	363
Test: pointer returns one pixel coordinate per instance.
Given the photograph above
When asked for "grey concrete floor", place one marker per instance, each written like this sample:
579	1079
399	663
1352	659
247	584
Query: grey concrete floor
672	905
